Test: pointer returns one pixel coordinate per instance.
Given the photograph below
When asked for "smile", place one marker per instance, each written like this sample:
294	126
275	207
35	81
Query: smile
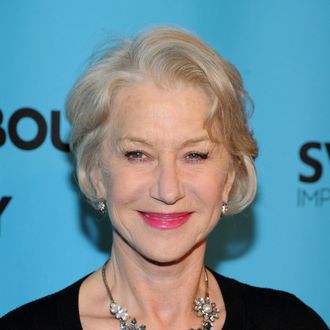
165	220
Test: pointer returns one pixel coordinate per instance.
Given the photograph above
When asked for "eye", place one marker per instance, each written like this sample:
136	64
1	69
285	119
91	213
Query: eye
135	155
197	156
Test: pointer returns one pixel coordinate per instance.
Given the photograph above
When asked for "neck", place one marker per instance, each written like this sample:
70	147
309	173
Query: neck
165	291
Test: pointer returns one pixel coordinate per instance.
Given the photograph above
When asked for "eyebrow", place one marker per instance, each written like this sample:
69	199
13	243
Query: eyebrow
186	143
196	141
134	139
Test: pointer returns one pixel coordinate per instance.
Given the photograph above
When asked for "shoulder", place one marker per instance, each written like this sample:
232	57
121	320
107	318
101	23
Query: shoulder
38	314
264	308
56	311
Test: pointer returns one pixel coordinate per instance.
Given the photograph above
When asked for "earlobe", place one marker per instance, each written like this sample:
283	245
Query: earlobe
97	181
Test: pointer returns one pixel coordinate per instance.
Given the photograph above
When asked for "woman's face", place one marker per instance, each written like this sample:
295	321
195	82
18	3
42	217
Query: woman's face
164	180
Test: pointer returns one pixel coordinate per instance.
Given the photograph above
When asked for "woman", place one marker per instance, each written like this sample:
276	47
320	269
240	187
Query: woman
162	144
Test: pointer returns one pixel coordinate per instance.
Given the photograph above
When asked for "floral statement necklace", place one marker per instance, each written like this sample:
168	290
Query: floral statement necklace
203	307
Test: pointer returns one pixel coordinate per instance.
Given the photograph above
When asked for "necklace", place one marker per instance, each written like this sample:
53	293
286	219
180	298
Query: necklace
203	307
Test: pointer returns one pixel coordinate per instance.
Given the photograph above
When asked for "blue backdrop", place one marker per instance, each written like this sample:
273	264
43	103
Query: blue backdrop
49	237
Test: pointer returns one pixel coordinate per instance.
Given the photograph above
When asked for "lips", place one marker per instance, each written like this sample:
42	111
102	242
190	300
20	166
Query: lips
165	220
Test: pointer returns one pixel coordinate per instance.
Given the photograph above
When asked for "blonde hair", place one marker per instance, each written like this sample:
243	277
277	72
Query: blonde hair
168	56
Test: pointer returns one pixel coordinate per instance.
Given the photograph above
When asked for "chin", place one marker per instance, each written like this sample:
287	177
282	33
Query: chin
166	256
163	247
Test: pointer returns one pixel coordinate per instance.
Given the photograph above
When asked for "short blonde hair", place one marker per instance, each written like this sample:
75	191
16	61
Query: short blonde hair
168	56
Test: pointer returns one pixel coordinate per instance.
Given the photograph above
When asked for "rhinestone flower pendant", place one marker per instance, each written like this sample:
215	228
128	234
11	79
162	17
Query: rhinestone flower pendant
208	311
131	326
121	314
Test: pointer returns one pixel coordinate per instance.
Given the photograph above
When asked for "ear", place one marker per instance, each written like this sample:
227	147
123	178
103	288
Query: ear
96	176
228	184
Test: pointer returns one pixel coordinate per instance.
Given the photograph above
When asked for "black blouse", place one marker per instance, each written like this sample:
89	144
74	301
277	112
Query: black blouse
247	307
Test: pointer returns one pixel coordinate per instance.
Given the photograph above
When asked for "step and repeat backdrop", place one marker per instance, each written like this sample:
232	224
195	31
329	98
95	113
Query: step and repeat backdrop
50	237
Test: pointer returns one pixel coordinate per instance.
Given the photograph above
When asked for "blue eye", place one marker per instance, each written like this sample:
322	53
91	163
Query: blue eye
135	155
196	156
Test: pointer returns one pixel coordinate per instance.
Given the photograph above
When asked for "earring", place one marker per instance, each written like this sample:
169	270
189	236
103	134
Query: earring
101	207
224	209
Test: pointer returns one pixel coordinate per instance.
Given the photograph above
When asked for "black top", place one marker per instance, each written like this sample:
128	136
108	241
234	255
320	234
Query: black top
247	307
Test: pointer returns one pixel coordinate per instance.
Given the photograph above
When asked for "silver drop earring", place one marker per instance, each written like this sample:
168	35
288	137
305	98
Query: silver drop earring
101	207
224	209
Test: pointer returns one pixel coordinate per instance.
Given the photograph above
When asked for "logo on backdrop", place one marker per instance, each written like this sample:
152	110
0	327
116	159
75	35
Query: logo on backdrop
44	125
315	156
20	115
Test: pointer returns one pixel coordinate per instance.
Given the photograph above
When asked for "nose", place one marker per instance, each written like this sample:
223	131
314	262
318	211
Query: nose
167	186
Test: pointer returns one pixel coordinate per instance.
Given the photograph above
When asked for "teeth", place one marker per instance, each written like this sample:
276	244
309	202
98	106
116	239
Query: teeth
164	217
170	215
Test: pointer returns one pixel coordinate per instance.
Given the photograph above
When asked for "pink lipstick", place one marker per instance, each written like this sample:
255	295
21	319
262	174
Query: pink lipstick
165	220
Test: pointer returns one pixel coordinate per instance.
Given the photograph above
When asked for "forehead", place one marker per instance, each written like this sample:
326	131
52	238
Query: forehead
147	106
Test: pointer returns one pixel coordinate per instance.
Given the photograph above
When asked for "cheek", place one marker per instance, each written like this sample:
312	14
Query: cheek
209	188
210	199
124	186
